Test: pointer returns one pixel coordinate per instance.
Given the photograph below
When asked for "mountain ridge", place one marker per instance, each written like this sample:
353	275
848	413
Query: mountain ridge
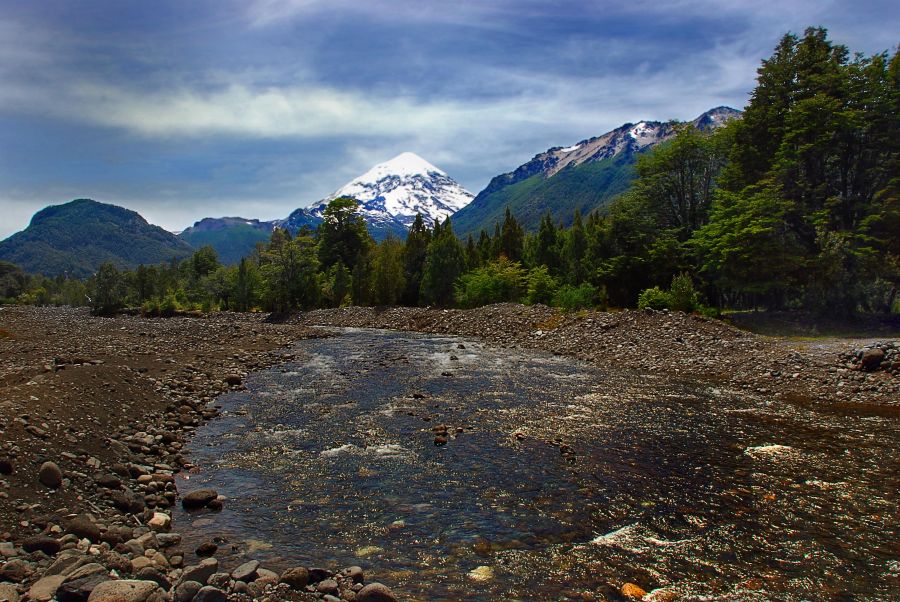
530	190
74	238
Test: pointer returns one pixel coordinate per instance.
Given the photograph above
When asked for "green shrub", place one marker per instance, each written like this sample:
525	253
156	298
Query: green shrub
541	286
654	298
682	295
709	312
570	297
495	282
150	308
169	306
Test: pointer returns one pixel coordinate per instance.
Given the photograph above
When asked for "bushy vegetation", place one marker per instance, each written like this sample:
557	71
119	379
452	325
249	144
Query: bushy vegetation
796	206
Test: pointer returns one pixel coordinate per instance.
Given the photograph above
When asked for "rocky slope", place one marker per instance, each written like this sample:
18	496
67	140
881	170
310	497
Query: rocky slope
584	176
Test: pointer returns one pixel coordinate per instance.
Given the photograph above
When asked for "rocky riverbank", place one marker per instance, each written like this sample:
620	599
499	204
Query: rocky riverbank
96	412
853	374
95	415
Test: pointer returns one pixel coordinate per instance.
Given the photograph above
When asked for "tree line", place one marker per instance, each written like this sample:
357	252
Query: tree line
794	206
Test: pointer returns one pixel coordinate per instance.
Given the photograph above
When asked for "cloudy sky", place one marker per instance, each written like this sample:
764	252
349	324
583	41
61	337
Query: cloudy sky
182	110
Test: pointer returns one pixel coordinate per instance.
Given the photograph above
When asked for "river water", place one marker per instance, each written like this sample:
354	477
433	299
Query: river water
559	478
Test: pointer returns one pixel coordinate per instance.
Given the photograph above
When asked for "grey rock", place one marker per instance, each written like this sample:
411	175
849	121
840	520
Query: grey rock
246	572
8	593
296	578
84	528
375	592
186	590
128	590
42	543
201	572
50	475
86	570
219	580
80	590
45	588
327	586
149	573
198	499
167	540
210	594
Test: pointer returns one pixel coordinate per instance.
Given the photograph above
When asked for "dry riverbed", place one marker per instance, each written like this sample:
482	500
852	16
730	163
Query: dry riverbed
96	412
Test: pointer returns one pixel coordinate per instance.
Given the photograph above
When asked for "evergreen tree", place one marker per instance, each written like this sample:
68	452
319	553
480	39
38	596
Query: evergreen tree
343	236
414	253
547	245
512	238
445	262
389	282
574	251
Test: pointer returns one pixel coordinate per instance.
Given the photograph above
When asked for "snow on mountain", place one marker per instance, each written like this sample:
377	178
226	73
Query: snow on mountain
392	193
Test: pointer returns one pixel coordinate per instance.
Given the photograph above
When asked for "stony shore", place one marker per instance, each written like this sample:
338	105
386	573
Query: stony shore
96	412
856	375
95	415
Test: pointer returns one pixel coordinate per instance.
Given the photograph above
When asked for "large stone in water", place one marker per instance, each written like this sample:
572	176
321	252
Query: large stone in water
296	578
246	572
198	499
201	572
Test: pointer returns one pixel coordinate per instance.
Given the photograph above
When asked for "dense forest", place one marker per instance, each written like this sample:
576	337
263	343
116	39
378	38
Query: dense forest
794	206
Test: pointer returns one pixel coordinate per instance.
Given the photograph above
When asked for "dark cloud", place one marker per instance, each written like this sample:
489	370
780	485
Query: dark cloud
183	110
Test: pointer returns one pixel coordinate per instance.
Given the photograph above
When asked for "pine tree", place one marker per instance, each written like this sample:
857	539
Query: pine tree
446	261
414	254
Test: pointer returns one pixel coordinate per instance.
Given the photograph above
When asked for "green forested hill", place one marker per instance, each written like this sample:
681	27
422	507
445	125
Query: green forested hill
232	237
586	187
76	237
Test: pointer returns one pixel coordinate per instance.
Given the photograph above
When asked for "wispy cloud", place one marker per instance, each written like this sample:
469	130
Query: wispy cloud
255	107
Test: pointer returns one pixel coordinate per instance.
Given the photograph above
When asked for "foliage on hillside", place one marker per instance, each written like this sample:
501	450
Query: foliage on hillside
231	243
77	237
795	206
585	188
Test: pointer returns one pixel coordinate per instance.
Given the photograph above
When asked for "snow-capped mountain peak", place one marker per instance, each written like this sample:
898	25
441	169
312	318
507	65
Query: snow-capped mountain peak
404	164
392	193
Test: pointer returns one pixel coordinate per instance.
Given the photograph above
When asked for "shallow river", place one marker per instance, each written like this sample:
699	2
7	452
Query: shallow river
558	478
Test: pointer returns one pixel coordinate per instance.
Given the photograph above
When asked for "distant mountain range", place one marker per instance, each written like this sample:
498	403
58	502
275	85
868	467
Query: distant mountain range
76	237
231	237
586	176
